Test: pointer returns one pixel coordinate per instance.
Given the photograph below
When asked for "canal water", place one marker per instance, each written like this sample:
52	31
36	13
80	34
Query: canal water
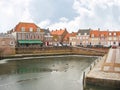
44	73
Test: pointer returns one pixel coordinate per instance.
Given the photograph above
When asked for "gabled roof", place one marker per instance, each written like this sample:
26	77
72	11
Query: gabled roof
83	31
26	25
58	32
73	34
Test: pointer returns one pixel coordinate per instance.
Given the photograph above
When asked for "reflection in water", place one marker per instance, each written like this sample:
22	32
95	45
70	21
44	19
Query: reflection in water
51	73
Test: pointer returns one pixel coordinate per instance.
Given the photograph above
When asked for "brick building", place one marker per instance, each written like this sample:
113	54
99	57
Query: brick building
48	38
72	39
94	37
27	35
103	38
68	38
113	38
58	35
7	44
83	37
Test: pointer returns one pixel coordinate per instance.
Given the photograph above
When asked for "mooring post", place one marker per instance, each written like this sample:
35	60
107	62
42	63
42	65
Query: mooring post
84	82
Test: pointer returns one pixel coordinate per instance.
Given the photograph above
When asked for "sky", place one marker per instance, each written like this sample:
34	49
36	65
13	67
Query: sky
61	14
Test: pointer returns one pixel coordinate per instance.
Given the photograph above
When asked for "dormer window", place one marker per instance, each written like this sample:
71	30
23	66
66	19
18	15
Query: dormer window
114	34
22	29
31	29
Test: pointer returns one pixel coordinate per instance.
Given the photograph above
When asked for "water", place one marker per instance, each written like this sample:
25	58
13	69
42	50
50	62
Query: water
47	73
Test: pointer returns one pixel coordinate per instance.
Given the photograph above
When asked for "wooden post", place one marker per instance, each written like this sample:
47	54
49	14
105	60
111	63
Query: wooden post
84	81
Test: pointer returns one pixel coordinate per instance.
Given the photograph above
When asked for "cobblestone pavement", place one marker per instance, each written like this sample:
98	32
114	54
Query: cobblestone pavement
108	67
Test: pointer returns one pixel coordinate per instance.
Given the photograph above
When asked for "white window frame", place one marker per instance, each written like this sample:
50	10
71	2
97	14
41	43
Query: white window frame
85	33
31	29
22	29
114	34
110	33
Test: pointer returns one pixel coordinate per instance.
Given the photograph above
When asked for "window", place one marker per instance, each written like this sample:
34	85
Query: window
110	38
22	29
87	37
114	34
79	34
31	29
85	33
19	36
110	34
27	36
80	37
114	38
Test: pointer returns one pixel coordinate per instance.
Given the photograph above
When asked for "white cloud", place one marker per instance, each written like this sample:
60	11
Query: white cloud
72	25
12	12
44	23
104	14
63	19
94	14
26	16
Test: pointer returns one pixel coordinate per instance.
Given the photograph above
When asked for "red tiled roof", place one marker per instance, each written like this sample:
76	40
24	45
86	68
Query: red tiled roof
27	26
105	33
112	33
95	32
73	34
58	32
119	33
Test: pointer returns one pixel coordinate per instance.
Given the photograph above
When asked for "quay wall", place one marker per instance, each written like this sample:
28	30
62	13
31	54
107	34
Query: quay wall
75	50
94	75
103	82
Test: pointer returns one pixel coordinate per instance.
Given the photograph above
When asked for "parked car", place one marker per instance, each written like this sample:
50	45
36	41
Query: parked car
107	46
114	46
98	46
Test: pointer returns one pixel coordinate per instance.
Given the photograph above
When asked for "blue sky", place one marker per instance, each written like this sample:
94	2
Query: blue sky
56	14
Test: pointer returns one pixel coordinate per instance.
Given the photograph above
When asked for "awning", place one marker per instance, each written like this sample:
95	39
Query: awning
30	42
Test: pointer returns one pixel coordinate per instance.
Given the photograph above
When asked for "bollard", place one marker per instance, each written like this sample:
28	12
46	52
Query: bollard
84	81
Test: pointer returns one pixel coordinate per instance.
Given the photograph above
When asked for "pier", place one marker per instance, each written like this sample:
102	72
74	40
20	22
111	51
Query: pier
107	71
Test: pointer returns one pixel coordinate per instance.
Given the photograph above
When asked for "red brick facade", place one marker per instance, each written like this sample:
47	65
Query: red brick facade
7	45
